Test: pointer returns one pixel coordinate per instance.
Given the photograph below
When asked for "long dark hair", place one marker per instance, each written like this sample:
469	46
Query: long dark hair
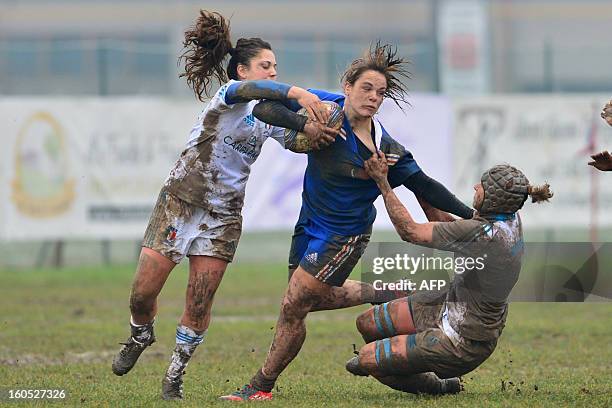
381	58
206	45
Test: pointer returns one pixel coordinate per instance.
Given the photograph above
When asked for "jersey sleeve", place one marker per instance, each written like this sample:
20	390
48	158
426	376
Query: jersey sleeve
278	134
323	95
458	236
218	100
327	96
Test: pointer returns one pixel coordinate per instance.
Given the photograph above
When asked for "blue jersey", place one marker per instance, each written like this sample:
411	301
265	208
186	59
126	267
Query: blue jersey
338	196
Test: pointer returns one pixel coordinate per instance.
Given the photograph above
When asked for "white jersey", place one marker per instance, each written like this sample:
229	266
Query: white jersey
213	170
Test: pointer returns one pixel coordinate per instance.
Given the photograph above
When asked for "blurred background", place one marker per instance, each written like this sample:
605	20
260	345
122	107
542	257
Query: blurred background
93	113
81	47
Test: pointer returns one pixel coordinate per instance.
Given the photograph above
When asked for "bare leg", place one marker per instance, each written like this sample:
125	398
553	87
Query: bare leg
386	357
352	293
387	361
302	294
386	320
151	274
205	274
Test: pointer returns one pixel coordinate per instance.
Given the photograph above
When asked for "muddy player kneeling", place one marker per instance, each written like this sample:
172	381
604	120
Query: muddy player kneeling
422	343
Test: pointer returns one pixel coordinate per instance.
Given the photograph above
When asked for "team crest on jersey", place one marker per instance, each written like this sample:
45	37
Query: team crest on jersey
252	141
249	120
170	234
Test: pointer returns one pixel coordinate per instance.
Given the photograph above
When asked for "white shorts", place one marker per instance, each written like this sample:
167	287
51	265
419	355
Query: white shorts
177	229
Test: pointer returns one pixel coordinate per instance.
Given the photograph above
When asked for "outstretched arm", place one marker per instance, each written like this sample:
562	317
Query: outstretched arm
433	192
407	228
245	91
432	213
309	136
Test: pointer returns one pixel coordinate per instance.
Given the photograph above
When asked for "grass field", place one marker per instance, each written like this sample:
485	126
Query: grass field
60	329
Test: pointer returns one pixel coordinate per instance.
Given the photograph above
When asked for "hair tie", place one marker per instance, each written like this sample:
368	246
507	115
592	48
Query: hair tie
232	51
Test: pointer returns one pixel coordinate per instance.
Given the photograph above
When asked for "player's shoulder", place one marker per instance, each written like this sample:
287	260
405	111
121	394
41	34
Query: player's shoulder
472	223
461	230
386	140
388	145
219	104
222	91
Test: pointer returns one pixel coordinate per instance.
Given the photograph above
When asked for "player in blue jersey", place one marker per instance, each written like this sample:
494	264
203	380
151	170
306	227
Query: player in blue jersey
337	213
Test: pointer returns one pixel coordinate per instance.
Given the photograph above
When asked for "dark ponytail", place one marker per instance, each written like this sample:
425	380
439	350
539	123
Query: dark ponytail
206	45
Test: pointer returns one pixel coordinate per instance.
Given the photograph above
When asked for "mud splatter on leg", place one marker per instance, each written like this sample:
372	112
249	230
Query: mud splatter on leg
302	294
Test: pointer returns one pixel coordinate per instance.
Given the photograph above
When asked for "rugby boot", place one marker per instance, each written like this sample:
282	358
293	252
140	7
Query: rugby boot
172	383
451	386
352	366
172	389
141	338
247	393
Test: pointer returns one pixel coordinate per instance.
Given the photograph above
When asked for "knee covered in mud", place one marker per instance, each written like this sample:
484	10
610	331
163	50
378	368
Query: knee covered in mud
140	303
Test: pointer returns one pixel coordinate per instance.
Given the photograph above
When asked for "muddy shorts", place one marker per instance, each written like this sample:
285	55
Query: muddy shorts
425	308
432	348
329	258
177	229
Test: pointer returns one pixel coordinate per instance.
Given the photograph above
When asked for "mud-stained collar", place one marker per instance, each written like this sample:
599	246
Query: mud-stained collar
492	217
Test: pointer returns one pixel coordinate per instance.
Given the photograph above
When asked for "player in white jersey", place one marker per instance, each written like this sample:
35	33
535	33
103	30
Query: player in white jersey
198	212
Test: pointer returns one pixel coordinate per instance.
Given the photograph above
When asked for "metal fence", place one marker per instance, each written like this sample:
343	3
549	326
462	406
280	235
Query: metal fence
149	66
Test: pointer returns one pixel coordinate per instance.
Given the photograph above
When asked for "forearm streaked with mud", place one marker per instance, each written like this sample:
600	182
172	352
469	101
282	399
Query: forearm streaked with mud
277	114
400	217
262	89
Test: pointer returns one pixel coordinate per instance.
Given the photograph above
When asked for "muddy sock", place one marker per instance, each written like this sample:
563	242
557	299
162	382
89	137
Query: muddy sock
142	333
262	382
187	341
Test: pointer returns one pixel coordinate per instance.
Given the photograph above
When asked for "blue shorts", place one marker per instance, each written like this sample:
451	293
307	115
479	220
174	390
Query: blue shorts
328	257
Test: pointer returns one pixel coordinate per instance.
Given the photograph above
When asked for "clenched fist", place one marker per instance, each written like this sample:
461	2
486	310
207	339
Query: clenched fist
376	167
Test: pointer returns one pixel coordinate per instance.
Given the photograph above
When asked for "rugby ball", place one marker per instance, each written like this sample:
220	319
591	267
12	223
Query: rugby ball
336	117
